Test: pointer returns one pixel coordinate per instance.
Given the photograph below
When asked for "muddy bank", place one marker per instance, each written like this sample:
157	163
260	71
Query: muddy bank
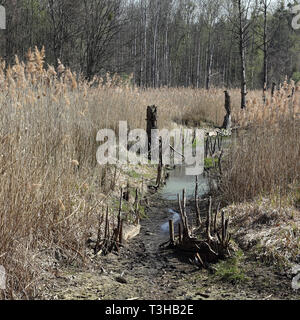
143	271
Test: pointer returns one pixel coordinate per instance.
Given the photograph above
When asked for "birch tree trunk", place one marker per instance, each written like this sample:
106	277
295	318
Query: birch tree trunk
242	44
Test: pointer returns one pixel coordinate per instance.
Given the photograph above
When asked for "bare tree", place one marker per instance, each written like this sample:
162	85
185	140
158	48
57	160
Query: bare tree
170	42
265	37
241	22
101	22
63	16
210	10
265	4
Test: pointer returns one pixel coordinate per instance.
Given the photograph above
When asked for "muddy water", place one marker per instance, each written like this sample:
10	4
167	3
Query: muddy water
178	180
176	219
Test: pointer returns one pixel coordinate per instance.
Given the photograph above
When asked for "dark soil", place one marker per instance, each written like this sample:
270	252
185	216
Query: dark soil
144	271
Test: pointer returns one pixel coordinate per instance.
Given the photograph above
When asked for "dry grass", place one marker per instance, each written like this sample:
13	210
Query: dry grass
273	231
265	159
51	188
262	177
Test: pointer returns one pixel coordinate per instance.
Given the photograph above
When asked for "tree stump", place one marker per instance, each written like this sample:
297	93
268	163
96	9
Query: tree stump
227	119
151	125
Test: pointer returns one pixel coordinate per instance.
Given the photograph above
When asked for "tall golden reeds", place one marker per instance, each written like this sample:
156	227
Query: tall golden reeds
49	121
265	159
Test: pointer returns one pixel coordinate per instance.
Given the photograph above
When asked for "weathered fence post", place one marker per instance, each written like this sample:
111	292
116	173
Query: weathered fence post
182	207
227	119
172	233
151	124
180	232
197	203
208	222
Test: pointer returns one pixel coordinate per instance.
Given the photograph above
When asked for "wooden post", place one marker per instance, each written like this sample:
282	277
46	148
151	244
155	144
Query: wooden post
227	119
215	219
208	221
151	124
186	222
197	203
180	232
172	235
206	154
185	228
181	212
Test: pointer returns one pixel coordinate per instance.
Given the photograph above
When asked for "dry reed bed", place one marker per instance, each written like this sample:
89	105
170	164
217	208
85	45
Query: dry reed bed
262	178
270	230
52	190
265	159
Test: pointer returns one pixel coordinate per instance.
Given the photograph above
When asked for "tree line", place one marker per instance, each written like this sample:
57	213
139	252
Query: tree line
198	43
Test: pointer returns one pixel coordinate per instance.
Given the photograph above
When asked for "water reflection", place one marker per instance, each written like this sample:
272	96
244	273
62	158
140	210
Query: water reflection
178	180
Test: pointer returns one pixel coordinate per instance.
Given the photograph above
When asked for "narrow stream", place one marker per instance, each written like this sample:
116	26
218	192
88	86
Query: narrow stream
178	180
